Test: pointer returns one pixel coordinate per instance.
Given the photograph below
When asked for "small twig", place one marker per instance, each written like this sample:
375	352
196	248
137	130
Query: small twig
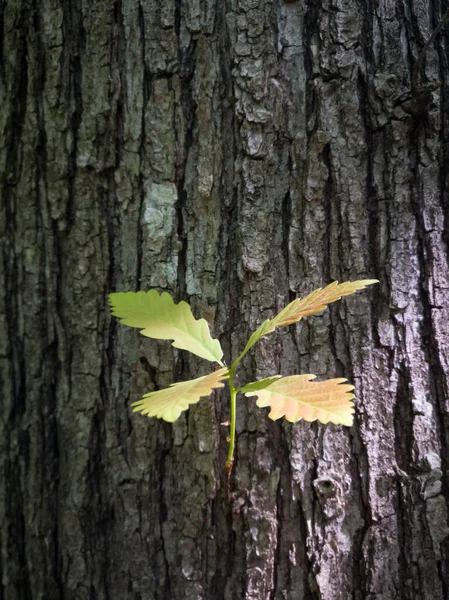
417	67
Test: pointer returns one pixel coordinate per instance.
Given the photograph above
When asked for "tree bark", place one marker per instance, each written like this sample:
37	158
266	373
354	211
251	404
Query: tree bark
238	154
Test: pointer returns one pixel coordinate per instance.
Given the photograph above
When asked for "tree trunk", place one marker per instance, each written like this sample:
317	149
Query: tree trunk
238	154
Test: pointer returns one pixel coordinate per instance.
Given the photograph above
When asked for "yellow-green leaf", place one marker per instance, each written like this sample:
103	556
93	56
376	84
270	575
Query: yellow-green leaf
160	318
297	397
168	404
255	386
310	305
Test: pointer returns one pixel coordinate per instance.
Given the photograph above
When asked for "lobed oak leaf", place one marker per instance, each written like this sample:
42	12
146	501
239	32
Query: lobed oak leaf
313	303
159	317
168	404
297	397
318	300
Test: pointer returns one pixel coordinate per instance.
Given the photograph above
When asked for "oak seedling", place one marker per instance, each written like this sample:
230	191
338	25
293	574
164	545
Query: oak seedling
294	397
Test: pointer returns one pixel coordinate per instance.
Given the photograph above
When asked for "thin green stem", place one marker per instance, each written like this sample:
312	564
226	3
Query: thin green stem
233	392
239	358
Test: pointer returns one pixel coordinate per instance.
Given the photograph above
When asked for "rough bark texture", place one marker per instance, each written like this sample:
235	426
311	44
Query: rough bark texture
237	153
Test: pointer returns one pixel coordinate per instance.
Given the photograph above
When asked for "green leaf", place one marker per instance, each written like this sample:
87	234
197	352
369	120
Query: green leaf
314	303
255	386
160	318
296	397
168	404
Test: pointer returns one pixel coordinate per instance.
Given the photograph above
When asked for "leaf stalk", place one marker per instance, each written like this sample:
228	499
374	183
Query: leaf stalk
233	393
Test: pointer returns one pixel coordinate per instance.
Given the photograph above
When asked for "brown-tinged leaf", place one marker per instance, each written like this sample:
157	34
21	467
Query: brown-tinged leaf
318	300
297	397
310	305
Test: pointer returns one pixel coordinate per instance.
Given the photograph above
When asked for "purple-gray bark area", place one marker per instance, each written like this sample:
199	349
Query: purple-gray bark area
237	154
